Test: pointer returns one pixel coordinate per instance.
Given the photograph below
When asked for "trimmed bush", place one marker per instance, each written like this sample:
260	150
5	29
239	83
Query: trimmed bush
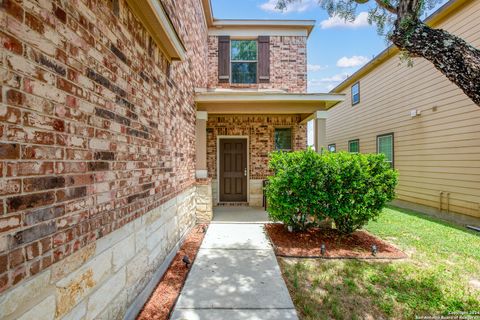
356	188
351	189
293	192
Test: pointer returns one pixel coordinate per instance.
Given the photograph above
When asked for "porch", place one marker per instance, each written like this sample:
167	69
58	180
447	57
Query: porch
236	130
239	214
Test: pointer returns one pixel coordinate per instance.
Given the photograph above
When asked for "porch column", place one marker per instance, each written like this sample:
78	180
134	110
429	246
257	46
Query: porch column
320	130
201	145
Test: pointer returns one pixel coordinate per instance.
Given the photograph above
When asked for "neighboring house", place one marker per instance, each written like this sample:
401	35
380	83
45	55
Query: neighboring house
428	128
115	118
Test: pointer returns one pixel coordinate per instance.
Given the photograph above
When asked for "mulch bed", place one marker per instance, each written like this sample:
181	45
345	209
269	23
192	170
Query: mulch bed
307	244
163	299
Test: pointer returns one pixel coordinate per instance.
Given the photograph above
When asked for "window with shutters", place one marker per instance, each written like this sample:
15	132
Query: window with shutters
243	57
385	146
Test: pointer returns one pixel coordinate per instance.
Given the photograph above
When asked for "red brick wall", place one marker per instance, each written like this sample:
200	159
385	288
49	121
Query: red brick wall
96	128
288	65
260	130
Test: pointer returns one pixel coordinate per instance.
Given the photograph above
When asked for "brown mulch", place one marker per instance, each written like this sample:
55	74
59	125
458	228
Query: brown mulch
164	297
307	244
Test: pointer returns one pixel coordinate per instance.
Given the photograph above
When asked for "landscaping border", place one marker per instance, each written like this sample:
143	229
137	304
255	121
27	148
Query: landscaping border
282	255
173	257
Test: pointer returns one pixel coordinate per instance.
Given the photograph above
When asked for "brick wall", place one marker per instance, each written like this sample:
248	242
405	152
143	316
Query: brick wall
96	127
260	130
288	65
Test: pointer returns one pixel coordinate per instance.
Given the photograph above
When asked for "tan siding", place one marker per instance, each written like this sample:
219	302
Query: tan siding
437	151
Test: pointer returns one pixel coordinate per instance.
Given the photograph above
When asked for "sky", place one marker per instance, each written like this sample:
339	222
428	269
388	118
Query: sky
336	49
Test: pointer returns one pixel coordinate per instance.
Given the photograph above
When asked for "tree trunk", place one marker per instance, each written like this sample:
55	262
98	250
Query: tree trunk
455	58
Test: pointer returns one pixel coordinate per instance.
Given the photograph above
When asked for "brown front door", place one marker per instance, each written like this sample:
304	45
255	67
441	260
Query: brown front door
233	169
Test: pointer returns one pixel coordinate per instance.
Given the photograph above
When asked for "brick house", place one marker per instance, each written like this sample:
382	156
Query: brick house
116	120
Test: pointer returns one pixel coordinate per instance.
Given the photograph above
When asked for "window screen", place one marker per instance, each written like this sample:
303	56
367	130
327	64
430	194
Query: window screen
385	146
354	146
244	61
356	93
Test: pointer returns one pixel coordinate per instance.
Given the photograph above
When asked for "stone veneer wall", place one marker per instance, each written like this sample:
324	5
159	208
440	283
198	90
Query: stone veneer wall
260	130
97	154
288	65
203	200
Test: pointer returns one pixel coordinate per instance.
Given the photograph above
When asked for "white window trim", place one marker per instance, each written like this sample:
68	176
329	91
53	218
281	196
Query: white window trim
392	136
242	61
357	141
353	95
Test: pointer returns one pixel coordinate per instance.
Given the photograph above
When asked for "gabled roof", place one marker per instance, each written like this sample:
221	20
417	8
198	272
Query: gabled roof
434	19
248	24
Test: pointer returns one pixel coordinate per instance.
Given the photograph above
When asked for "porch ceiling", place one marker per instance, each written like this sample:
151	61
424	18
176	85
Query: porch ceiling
265	102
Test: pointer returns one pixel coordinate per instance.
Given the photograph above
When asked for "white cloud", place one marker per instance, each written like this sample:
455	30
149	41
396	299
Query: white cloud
298	6
327	83
315	67
353	61
335	78
336	22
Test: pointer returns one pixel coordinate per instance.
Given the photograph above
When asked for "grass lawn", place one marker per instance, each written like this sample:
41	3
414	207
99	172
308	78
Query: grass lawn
442	274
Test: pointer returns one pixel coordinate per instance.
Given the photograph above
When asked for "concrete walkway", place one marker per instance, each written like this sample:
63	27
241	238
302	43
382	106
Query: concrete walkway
235	277
239	215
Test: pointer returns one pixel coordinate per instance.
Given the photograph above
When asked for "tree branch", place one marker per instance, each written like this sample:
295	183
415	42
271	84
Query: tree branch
387	6
451	55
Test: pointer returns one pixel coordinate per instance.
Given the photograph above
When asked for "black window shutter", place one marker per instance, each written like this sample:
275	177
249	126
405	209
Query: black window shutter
224	59
264	59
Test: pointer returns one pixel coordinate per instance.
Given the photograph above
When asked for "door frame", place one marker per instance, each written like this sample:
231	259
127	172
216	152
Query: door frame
248	163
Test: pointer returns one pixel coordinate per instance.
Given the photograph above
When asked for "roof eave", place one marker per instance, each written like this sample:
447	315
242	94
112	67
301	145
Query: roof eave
266	102
308	25
153	16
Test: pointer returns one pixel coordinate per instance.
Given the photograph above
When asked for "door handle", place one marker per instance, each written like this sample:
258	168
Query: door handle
245	172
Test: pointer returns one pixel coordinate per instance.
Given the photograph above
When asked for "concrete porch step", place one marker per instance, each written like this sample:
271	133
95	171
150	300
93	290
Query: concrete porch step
232	204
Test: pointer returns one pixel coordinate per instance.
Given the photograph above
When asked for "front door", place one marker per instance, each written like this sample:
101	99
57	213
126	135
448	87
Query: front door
233	170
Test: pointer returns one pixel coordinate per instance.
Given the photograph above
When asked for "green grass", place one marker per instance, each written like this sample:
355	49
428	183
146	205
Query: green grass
435	280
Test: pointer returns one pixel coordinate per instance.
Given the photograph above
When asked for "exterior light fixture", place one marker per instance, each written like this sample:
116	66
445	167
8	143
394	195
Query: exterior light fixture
323	249
374	250
186	260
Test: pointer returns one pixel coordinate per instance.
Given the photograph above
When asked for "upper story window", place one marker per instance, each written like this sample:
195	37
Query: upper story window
244	61
385	146
356	93
283	139
354	146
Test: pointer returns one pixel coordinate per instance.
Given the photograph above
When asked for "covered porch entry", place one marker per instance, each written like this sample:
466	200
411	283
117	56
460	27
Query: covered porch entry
237	129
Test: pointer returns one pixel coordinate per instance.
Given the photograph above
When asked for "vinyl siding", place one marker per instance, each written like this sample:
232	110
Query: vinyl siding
438	151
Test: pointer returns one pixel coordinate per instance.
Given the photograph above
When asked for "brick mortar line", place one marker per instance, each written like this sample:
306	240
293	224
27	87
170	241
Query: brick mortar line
96	39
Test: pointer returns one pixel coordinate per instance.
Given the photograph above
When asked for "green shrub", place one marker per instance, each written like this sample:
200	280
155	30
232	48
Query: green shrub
306	188
294	190
356	188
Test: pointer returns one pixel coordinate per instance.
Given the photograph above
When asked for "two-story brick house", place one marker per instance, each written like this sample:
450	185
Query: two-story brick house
117	120
255	102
